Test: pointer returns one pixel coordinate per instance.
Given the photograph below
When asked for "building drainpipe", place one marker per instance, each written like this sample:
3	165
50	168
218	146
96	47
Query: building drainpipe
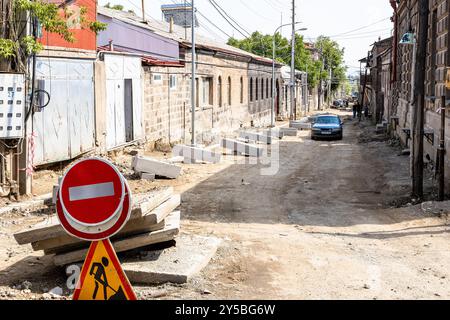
395	44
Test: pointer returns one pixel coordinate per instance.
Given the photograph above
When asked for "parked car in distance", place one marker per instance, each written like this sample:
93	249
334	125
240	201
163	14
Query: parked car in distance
338	104
327	126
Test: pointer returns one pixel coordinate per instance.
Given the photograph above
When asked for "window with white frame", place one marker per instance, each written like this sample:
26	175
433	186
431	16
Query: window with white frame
157	78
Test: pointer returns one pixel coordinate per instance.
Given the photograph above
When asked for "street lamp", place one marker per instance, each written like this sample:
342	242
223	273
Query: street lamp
272	118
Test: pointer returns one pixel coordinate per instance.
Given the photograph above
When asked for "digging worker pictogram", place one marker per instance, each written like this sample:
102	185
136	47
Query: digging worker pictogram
100	277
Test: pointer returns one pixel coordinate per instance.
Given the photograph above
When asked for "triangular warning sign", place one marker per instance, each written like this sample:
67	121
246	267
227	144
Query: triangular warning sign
102	277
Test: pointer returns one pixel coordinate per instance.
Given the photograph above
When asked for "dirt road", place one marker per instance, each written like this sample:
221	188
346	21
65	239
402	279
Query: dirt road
322	227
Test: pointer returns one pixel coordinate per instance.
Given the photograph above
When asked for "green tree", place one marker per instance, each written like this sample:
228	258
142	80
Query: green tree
332	55
16	46
115	7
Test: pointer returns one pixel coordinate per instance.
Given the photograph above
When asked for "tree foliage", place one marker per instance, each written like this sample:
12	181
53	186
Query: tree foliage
114	7
333	57
262	45
15	45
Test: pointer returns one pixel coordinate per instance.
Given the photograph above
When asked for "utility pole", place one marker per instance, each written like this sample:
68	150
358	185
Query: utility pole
143	11
185	21
292	116
319	96
441	150
419	101
329	84
193	88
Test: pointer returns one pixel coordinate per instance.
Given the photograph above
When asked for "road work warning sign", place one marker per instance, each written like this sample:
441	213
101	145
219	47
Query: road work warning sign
102	277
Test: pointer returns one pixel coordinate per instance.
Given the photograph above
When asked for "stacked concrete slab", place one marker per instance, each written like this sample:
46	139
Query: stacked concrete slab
196	154
256	137
154	219
242	148
149	168
302	124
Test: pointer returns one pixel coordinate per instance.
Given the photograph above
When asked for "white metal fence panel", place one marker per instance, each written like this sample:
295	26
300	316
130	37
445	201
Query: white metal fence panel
65	128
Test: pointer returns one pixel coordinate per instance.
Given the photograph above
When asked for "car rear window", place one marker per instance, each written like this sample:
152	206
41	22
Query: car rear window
328	120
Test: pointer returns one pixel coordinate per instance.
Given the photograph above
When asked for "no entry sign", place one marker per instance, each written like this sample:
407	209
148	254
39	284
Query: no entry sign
94	200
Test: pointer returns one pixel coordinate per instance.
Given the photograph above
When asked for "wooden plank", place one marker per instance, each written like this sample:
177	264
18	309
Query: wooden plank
160	213
143	204
66	242
167	234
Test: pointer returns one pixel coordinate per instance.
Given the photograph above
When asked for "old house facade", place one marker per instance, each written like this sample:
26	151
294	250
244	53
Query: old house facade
402	76
234	87
65	127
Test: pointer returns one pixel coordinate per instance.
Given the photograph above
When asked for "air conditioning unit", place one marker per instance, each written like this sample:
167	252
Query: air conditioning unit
12	105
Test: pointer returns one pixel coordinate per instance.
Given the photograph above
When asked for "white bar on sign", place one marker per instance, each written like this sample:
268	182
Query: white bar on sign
91	191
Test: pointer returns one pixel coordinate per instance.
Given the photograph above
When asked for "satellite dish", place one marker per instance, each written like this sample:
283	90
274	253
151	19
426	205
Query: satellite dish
408	38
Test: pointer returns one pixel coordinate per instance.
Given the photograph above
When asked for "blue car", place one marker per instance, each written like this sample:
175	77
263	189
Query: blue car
327	126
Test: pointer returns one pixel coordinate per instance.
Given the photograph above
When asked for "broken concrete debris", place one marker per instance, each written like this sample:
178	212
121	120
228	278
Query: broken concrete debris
158	168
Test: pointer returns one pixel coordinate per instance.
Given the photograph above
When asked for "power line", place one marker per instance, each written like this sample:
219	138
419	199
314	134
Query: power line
234	20
225	17
360	28
208	20
213	24
254	12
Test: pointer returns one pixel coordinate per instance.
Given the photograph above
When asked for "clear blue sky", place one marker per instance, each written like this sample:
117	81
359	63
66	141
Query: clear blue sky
322	17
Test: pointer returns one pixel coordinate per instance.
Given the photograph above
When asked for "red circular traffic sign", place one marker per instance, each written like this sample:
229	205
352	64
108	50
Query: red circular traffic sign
92	192
95	233
94	200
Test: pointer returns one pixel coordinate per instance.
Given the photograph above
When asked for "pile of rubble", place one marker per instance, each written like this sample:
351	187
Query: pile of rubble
153	220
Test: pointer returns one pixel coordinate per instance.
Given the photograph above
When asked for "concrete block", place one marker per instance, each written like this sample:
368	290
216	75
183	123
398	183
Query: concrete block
194	154
159	168
176	160
55	193
242	148
300	125
274	133
290	132
148	176
175	265
256	137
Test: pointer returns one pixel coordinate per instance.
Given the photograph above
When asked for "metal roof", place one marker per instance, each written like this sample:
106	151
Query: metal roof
162	28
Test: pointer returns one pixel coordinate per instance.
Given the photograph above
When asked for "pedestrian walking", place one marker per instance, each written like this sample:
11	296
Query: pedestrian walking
359	111
355	109
366	112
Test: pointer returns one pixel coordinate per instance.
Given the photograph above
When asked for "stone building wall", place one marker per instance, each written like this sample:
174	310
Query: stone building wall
223	98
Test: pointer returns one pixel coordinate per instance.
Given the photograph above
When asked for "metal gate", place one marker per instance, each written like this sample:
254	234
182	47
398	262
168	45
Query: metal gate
66	127
121	69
